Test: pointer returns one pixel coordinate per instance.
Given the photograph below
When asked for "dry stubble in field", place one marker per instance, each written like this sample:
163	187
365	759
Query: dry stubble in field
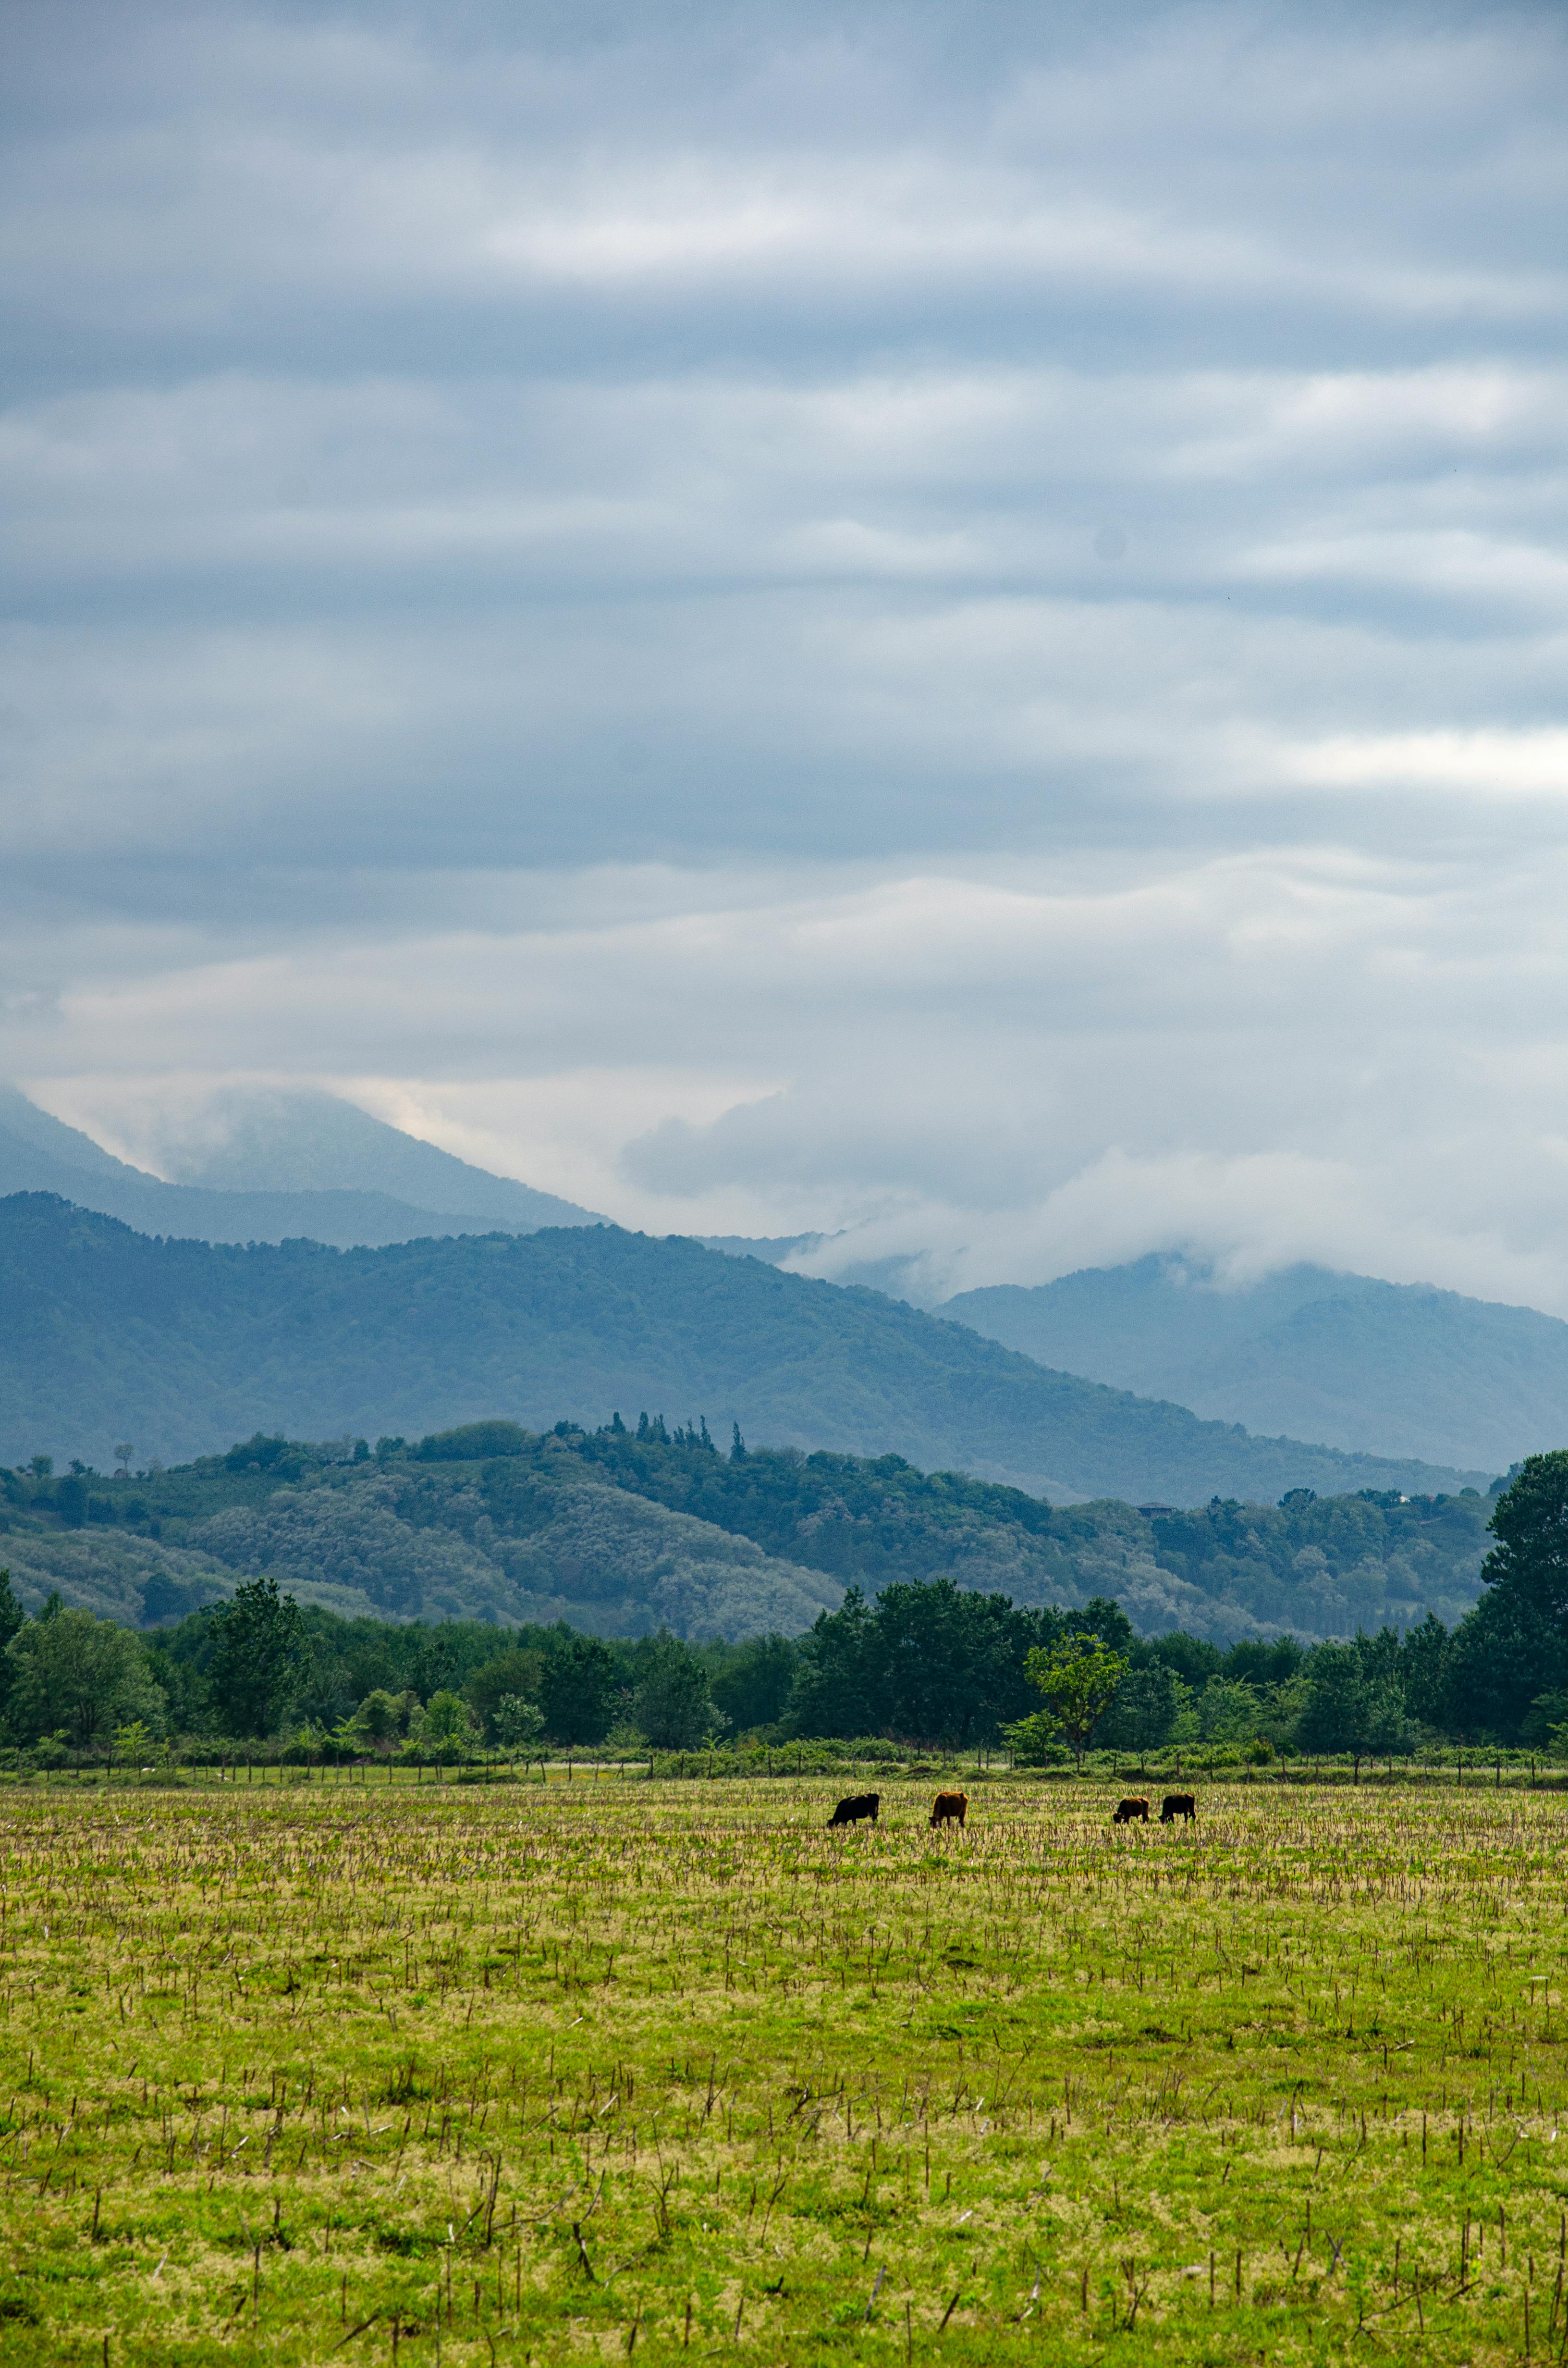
643	2070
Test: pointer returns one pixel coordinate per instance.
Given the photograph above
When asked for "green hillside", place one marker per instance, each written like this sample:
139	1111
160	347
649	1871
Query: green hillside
538	1536
620	1533
1321	1566
176	1345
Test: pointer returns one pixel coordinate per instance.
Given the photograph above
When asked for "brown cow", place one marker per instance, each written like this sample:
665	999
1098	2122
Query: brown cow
1179	1805
1130	1812
948	1806
858	1805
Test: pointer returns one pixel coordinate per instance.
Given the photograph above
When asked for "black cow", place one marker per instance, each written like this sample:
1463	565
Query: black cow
1179	1805
858	1804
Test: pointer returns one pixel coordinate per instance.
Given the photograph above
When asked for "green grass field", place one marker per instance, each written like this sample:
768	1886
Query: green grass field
302	2072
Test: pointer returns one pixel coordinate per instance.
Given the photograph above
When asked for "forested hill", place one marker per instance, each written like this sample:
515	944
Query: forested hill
179	1345
1321	1566
622	1533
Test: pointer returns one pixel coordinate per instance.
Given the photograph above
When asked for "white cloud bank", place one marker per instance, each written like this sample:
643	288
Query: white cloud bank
947	628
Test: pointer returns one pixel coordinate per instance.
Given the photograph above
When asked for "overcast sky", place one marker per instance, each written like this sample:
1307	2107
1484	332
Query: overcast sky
950	621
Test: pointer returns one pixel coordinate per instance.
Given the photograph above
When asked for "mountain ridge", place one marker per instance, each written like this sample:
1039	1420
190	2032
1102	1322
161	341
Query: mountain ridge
310	1140
112	1335
1401	1369
42	1153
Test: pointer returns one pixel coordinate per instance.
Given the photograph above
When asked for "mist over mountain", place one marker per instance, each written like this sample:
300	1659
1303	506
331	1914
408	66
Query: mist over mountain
178	1345
895	1277
27	1134
1365	1367
1395	1369
346	1194
258	1140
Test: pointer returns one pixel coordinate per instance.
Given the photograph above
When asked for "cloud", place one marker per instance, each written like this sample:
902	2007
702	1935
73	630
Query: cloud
938	626
1261	1056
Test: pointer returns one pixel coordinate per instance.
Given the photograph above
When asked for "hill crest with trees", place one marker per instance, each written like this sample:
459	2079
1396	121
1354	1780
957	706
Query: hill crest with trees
625	1528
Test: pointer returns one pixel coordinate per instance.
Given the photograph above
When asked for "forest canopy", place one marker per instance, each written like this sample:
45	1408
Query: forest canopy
921	1660
642	1524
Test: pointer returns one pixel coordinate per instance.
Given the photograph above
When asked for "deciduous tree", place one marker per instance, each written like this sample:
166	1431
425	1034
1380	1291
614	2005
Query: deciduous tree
673	1706
80	1676
1530	1525
447	1725
518	1723
259	1649
579	1691
1144	1712
510	1673
1078	1679
1348	1709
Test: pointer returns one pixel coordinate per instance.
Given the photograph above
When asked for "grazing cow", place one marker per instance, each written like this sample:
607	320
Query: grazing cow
946	1806
1130	1812
858	1804
1179	1805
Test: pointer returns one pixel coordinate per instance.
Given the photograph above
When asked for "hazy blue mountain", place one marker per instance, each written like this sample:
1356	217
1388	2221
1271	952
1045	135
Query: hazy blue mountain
47	1157
24	1129
179	1344
304	1142
1398	1369
38	1154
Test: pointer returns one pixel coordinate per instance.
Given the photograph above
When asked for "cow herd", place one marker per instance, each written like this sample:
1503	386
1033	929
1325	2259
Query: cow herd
1135	1810
952	1809
947	1809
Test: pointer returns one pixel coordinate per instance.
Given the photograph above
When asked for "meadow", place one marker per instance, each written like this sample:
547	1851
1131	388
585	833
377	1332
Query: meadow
501	2072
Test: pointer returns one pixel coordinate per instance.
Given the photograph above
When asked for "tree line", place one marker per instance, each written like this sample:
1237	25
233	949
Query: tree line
935	1662
263	1668
924	1662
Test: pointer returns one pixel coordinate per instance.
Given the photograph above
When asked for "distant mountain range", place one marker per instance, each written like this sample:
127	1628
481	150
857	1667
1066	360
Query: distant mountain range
1400	1372
176	1345
1398	1369
283	1166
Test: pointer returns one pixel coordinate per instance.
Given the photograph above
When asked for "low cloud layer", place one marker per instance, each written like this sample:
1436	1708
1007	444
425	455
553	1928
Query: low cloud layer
945	628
